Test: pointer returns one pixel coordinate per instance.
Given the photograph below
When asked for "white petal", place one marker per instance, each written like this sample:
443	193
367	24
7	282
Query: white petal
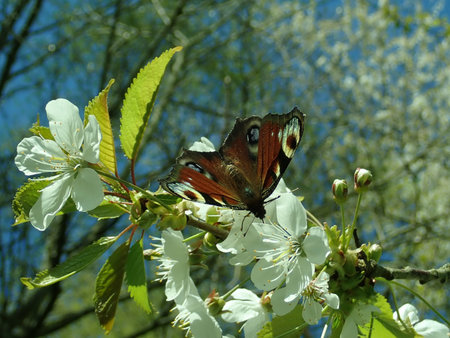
244	294
431	329
312	312
178	283
254	325
52	199
316	245
291	214
204	145
233	242
174	247
279	305
408	311
265	241
202	324
266	275
36	156
65	125
87	192
298	278
92	138
332	300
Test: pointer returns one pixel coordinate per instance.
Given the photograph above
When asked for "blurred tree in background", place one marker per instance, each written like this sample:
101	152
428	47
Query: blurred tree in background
372	77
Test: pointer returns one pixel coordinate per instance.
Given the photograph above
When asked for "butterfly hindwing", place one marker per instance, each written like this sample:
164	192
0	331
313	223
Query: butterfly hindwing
201	177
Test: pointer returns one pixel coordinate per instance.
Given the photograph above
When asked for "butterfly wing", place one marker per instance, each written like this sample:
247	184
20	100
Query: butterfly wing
279	137
202	177
247	167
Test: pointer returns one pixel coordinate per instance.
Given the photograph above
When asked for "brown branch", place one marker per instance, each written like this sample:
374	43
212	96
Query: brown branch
216	231
423	276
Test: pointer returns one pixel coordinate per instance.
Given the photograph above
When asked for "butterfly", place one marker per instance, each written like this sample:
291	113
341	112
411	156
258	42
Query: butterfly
247	167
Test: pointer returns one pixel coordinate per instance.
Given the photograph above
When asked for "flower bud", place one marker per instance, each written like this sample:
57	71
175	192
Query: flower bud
210	241
363	178
375	252
340	191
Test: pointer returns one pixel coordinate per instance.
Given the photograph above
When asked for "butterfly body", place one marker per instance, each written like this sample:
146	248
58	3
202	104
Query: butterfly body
247	167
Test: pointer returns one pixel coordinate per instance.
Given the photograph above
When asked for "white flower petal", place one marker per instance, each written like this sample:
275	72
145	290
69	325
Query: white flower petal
202	324
312	312
408	311
244	306
279	305
431	329
316	245
36	155
52	199
174	247
203	145
291	214
65	125
87	192
254	325
298	278
266	275
92	138
332	300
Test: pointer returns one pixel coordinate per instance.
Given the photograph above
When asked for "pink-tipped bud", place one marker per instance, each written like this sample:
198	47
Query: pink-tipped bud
363	178
340	191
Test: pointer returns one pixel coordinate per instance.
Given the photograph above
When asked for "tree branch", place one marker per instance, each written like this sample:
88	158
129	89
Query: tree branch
442	274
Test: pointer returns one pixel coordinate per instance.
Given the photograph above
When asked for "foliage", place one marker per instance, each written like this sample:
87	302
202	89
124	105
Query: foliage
370	77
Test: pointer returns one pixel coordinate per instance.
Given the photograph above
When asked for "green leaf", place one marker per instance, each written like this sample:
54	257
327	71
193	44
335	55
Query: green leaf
167	199
290	325
106	209
99	108
384	324
107	286
39	130
135	276
71	266
139	100
27	195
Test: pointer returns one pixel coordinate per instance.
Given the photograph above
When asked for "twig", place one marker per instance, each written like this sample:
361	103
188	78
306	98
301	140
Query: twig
442	274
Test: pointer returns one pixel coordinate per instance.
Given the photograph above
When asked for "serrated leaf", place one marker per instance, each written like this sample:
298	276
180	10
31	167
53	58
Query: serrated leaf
71	266
139	100
135	276
27	195
98	107
107	286
290	325
39	130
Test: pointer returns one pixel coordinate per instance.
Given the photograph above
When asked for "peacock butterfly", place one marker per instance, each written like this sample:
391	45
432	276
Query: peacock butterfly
247	167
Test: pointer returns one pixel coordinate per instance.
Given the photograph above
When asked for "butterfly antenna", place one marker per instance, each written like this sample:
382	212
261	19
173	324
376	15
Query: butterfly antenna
273	199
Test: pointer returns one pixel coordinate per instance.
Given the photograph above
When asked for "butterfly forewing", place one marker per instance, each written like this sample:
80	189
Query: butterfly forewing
280	136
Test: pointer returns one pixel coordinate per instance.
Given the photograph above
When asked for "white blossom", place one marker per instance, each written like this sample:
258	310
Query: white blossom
246	307
427	328
64	158
314	295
